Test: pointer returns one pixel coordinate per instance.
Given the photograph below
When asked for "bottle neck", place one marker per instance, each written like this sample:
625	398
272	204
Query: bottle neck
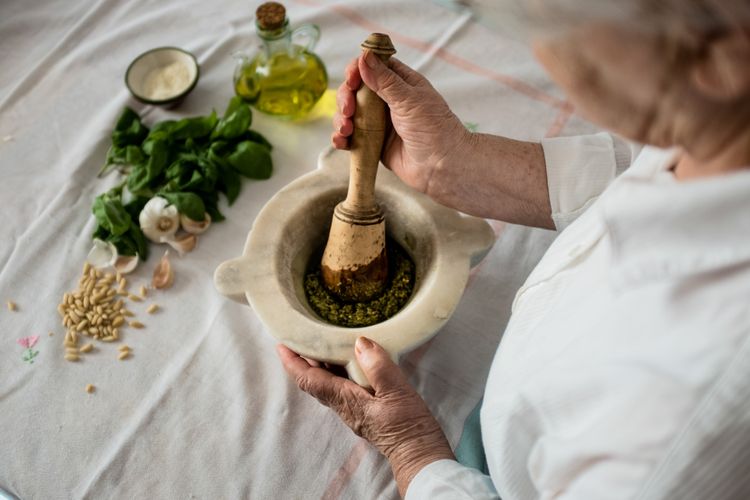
276	41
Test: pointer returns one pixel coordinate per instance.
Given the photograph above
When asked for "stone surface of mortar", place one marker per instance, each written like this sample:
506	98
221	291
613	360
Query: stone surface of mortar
294	223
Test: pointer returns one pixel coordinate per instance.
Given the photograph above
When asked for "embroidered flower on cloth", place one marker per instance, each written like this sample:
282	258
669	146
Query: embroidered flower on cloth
27	343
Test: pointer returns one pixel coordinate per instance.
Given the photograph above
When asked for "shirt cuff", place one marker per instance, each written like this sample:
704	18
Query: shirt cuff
578	171
448	480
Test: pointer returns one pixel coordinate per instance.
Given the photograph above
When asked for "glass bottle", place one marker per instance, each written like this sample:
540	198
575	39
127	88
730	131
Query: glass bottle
284	78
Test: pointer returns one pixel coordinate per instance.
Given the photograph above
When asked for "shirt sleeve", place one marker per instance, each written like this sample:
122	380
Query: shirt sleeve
449	480
579	169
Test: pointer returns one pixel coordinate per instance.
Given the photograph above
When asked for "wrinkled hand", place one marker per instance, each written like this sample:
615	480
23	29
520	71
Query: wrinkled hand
425	133
393	417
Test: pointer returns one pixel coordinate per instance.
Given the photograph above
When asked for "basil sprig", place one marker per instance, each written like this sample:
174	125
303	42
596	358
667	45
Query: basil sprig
188	162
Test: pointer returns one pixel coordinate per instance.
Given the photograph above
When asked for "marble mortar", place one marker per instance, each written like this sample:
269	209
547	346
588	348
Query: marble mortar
270	272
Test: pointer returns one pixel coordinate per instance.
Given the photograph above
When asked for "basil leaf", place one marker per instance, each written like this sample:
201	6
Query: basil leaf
128	130
194	128
213	209
124	244
232	184
110	214
139	238
158	160
117	155
142	176
189	204
252	135
236	120
133	155
138	180
251	160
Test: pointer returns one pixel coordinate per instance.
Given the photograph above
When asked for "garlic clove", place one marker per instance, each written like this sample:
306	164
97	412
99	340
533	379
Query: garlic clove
126	263
163	274
183	242
126	195
102	254
193	226
159	221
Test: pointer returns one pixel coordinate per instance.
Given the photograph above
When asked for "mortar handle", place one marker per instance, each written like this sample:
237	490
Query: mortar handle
367	138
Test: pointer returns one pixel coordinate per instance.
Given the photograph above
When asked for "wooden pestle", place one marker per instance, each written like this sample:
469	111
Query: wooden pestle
355	265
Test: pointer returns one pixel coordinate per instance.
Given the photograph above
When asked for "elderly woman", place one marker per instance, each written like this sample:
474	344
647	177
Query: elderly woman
625	368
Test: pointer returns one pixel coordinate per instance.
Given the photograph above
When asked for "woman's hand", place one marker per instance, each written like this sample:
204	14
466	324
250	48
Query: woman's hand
392	417
425	133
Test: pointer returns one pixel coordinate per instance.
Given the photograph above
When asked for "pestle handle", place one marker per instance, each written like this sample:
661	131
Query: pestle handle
367	138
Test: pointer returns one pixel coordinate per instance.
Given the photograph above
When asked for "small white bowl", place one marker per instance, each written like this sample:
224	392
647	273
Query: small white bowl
140	74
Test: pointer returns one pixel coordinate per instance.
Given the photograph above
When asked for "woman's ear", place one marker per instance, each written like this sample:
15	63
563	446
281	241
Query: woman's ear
724	72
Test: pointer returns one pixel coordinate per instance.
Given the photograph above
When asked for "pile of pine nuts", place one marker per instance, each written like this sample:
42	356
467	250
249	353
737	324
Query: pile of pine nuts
94	310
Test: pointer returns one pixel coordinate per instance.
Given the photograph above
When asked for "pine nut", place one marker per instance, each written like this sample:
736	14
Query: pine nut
134	298
90	388
119	320
71	350
136	324
128	313
83	324
12	306
143	291
123	355
152	308
71	357
123	347
86	347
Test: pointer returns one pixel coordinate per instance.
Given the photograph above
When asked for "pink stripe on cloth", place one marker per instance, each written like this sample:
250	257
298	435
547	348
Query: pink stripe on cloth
343	475
464	64
560	120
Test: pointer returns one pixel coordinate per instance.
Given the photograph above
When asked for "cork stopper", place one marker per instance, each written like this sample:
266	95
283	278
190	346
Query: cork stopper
270	16
380	44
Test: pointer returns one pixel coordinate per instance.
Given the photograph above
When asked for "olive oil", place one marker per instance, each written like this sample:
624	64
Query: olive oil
284	85
284	79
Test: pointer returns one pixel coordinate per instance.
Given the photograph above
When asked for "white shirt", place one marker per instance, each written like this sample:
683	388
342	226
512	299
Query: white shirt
624	371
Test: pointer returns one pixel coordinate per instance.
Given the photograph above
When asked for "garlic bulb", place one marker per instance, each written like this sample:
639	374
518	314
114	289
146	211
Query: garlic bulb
194	226
163	274
102	254
159	220
183	243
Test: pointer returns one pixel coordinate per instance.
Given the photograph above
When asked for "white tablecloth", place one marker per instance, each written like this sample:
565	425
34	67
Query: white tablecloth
203	409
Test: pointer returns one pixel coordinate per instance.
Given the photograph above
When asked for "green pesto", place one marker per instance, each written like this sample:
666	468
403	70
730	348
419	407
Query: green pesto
356	314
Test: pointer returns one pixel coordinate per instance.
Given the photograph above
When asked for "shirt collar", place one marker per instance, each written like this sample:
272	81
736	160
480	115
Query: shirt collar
660	227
